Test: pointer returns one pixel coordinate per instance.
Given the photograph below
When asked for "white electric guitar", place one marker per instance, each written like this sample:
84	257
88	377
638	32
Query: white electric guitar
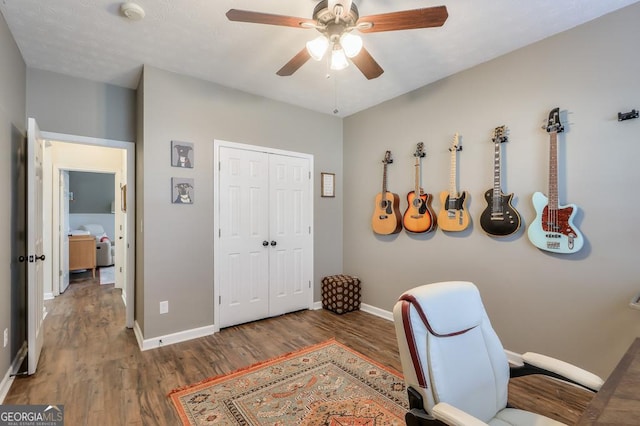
553	229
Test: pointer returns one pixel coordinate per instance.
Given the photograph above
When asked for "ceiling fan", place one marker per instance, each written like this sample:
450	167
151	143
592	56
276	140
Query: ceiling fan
335	20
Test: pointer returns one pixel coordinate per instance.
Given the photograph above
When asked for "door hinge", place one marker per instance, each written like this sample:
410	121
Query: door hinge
309	283
219	300
219	165
60	272
309	175
309	230
219	232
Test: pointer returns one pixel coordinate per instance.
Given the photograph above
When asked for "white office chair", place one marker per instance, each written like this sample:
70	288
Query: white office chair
455	367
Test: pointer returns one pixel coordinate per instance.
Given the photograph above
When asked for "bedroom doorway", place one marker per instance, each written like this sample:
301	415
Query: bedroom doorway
69	153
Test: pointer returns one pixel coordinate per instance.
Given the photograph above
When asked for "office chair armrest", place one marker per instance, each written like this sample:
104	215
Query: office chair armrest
534	363
453	416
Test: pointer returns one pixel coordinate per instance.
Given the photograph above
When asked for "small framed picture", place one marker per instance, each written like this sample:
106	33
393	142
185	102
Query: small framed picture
182	154
182	190
328	184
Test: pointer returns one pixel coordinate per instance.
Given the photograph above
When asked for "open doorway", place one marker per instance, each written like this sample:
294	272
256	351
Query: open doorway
68	154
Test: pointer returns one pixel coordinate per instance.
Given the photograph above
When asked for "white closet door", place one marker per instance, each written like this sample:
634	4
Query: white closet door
244	222
290	230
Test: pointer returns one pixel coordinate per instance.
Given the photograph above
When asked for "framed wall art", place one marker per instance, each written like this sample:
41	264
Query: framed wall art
182	190
182	154
327	184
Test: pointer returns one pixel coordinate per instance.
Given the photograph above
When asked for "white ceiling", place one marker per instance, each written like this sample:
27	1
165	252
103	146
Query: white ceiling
91	39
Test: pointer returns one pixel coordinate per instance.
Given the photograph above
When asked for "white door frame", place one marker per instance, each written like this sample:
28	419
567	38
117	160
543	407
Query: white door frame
217	143
129	237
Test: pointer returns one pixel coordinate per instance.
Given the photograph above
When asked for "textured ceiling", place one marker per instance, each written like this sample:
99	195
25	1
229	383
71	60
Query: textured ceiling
92	40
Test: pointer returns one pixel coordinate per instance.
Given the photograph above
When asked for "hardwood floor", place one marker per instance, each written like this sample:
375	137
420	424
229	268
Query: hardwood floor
92	365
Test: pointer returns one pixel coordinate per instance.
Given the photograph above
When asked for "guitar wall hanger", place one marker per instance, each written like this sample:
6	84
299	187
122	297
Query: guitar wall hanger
628	115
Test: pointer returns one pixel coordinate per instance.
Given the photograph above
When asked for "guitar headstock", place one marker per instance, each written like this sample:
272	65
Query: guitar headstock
553	123
455	143
387	158
500	134
419	150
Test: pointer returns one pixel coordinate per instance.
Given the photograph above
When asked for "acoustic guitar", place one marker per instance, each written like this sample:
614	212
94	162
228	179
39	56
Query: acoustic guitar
386	215
453	216
553	229
419	216
500	218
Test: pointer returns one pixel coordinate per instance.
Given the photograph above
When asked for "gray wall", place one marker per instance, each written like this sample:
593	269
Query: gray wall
12	180
75	106
571	306
178	240
92	192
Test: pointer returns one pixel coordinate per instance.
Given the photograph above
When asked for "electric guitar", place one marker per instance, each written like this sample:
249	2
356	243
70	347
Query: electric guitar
419	216
500	218
553	229
386	216
453	216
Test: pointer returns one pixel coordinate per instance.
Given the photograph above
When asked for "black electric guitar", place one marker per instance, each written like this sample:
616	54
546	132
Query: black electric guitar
553	229
500	218
419	216
386	217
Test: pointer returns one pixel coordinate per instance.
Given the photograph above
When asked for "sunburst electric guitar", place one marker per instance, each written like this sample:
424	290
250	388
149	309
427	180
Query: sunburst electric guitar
419	216
553	229
386	216
499	219
454	215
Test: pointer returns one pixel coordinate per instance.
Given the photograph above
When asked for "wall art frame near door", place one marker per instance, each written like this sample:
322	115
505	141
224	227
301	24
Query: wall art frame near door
182	154
327	184
182	190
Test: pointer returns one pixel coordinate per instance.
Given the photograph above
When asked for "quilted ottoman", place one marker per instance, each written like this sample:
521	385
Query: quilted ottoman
341	293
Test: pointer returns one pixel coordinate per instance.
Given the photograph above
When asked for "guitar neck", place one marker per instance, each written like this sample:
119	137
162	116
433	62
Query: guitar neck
384	180
497	188
553	171
417	190
453	187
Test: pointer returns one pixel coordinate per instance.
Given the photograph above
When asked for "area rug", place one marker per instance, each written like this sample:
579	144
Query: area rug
325	384
107	275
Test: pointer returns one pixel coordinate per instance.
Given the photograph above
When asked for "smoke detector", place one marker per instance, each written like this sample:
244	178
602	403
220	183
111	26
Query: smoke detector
132	11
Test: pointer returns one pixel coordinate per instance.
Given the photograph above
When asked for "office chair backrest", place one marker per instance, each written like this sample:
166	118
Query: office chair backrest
448	349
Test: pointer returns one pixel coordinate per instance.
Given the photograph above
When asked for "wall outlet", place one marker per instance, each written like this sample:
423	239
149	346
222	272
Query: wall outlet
164	307
6	337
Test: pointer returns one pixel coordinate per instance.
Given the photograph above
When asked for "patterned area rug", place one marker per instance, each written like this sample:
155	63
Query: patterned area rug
326	384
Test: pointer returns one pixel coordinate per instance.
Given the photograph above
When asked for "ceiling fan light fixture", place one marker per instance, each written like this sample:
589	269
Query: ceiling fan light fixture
338	58
351	43
318	47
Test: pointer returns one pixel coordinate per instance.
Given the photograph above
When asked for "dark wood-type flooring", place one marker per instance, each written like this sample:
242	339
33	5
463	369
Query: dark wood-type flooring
92	364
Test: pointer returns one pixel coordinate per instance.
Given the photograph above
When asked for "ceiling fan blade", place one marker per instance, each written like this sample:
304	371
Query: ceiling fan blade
267	18
295	63
406	20
365	63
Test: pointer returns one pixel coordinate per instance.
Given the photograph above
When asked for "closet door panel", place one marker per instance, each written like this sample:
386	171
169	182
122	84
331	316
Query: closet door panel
244	260
290	229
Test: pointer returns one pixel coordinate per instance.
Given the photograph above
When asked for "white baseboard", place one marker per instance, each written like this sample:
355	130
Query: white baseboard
366	308
48	296
7	380
377	312
170	339
183	336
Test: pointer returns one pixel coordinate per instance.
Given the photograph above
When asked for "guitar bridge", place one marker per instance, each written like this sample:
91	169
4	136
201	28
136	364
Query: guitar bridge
382	216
